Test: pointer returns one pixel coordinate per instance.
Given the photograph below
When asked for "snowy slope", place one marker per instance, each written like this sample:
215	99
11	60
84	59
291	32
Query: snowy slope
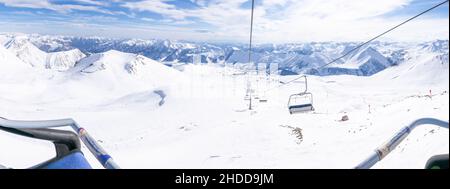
425	69
9	59
210	126
10	65
112	76
148	115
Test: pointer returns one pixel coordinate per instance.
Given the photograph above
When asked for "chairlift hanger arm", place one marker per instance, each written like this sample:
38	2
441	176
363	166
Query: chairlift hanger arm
306	83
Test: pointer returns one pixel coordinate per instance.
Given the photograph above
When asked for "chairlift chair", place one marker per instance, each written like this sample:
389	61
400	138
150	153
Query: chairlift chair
301	102
67	143
263	99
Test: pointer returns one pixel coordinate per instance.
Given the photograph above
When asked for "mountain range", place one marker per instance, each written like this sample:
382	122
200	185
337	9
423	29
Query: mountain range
65	52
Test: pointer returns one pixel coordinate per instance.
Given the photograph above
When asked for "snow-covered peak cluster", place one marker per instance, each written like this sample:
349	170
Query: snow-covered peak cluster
74	73
118	63
28	53
62	53
22	49
63	60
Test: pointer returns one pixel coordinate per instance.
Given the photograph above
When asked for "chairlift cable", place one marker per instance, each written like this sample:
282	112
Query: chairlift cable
250	56
251	33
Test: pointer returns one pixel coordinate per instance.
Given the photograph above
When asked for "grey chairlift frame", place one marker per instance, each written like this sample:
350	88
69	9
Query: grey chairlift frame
102	156
302	107
389	146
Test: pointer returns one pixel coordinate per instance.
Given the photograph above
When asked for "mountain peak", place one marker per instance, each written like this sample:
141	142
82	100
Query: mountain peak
116	61
26	51
63	60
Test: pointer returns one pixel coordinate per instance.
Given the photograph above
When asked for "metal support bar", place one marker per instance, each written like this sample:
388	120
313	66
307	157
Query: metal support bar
102	156
388	147
306	84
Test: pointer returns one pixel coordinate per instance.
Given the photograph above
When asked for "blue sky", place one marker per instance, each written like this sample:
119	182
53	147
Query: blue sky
226	20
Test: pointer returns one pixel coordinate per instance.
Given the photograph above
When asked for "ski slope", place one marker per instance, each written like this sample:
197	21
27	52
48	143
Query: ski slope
147	115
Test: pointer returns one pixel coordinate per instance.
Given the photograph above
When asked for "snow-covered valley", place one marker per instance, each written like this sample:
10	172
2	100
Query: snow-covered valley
148	115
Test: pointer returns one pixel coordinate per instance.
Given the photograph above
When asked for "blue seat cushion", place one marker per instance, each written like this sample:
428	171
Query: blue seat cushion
300	106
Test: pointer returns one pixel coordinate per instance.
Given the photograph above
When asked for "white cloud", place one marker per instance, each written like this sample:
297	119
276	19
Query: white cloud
275	20
298	20
26	3
344	20
275	2
344	9
160	7
46	4
93	2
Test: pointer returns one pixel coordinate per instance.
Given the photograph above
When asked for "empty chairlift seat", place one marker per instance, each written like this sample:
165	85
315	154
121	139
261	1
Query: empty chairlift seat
301	102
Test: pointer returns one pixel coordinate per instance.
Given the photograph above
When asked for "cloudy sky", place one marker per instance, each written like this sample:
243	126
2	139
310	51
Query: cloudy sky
277	21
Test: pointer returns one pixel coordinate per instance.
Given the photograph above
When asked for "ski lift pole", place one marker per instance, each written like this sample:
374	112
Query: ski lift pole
388	147
102	156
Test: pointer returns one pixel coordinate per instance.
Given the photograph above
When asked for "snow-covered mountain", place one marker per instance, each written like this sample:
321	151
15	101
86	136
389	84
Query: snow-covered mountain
121	70
291	58
422	68
111	68
28	53
113	74
63	60
120	63
364	62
